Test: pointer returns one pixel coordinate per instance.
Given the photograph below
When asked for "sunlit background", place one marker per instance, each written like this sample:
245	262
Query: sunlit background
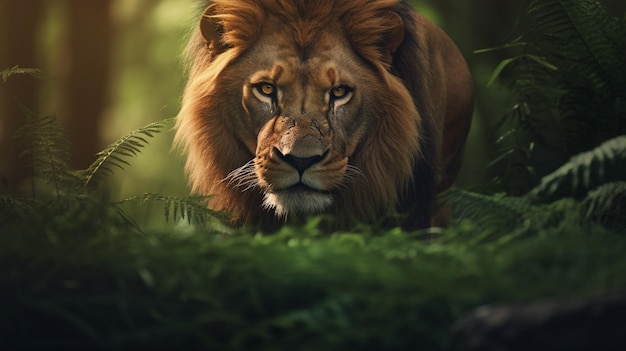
114	66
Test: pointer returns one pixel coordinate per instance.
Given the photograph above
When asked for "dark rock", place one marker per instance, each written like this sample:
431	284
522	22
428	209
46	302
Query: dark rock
591	324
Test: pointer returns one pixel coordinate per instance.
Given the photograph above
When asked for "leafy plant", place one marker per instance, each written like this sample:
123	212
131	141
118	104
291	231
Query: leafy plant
571	86
47	146
607	205
58	190
193	208
597	178
585	172
115	155
34	72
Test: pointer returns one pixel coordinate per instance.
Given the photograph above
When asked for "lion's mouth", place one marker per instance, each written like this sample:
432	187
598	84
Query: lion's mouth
298	199
300	187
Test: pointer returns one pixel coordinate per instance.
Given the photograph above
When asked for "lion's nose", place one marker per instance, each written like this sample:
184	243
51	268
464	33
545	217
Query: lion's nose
301	164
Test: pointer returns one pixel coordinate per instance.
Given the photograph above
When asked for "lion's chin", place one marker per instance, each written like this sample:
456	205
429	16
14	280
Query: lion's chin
299	201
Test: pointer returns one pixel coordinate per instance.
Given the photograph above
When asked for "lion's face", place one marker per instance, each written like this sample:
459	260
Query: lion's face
303	117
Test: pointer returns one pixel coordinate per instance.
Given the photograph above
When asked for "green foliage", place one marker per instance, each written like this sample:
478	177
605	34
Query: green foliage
47	146
495	214
192	208
586	171
296	290
34	72
61	192
596	177
607	205
115	155
80	274
571	86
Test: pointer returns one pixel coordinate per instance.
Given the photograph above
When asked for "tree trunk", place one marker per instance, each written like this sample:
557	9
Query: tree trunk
86	87
19	21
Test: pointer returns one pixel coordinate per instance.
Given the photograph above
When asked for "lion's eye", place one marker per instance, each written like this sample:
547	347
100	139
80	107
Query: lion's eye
266	89
340	92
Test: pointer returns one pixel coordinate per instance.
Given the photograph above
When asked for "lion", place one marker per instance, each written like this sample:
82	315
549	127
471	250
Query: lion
359	109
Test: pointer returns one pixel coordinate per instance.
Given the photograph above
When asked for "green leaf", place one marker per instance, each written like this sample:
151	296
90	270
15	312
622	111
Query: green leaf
33	72
584	172
114	154
507	62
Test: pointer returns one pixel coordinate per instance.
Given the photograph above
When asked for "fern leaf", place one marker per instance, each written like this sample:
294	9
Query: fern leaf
469	205
583	29
33	72
48	147
192	208
508	62
575	107
179	207
607	204
495	215
113	155
584	172
166	209
590	47
14	209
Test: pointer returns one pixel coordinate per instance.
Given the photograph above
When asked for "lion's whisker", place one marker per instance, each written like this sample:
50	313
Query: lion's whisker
243	176
352	172
237	172
249	181
350	175
251	184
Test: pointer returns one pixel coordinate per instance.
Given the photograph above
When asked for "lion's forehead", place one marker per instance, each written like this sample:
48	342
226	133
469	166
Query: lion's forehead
325	64
312	73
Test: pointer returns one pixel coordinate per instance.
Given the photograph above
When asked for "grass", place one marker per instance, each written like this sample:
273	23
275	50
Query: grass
90	280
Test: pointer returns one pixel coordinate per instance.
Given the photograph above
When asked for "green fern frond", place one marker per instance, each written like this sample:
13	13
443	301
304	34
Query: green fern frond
495	215
192	208
33	72
575	101
470	205
513	60
607	204
581	31
584	172
589	48
114	155
500	218
47	145
14	209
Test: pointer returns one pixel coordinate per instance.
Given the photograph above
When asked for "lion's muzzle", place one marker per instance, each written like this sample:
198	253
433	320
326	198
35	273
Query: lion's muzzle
296	165
301	164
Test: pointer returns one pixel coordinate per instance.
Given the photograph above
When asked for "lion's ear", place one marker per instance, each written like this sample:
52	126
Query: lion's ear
211	31
394	36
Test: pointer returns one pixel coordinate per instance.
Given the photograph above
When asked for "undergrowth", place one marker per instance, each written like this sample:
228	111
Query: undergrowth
79	273
570	86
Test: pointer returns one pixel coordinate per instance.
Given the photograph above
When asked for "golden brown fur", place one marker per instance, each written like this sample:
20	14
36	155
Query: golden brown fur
358	108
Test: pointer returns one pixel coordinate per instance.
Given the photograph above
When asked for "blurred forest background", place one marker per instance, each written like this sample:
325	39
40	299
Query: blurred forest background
114	65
